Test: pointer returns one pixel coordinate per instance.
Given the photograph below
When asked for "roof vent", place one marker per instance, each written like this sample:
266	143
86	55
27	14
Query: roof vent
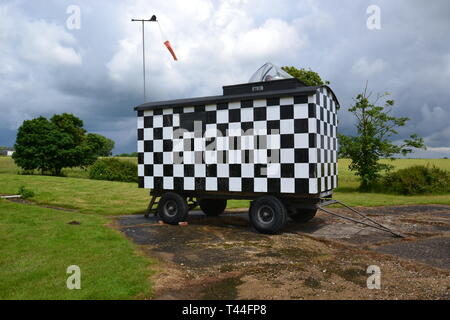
269	72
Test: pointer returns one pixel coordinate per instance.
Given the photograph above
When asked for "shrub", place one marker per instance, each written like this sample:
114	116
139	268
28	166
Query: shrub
25	193
417	180
113	170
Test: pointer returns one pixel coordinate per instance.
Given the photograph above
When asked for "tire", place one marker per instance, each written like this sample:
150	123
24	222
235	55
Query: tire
172	208
267	214
303	215
213	207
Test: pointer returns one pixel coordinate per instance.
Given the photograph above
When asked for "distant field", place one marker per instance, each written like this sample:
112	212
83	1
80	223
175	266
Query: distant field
110	198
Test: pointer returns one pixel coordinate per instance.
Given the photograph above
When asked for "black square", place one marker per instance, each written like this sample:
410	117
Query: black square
287	141
287	112
168	170
301	155
211	117
247	185
210	144
189	170
260	114
313	170
158	183
273	126
312	140
222	184
200	184
247	128
157	112
178	183
311	110
140	158
167	145
158	158
178	110
287	170
235	170
167	120
273	101
234	115
148	122
247	104
301	186
273	185
223	129
140	134
301	126
211	170
247	156
157	133
199	108
300	99
148	146
260	142
222	106
140	182
260	170
148	170
140	113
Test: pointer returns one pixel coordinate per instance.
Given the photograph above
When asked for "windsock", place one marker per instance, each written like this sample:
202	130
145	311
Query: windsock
169	47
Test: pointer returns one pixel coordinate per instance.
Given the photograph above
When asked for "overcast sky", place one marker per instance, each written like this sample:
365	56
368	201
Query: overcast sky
95	72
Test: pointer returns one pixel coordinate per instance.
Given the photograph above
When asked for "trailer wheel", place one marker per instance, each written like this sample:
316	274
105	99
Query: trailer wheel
267	214
303	215
172	208
213	207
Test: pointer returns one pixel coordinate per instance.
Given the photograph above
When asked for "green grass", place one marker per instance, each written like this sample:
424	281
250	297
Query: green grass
37	245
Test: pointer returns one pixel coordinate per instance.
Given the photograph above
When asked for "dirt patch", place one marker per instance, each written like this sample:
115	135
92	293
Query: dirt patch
326	258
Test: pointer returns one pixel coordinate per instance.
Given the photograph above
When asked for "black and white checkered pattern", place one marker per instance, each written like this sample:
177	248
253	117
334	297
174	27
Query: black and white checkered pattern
273	145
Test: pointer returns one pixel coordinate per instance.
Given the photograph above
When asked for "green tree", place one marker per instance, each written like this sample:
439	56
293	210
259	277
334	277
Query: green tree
375	128
308	77
51	145
101	146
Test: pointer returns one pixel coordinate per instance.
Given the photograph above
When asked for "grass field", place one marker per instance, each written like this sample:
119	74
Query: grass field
38	244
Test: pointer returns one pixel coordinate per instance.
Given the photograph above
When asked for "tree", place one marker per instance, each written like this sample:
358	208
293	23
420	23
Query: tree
51	145
375	128
101	146
308	77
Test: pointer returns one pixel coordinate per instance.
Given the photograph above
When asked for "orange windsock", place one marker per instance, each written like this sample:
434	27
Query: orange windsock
167	44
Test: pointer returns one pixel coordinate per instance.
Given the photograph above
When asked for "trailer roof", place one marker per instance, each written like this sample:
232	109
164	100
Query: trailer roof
303	90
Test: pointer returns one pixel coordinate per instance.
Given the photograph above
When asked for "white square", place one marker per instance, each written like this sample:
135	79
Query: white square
158	121
222	116
188	109
312	98
234	156
246	114
148	182
176	120
158	170
322	184
273	141
211	107
188	135
189	183
234	129
211	184
247	170
287	185
140	170
148	113
211	131
148	157
235	184
260	185
234	105
301	170
157	145
210	157
140	122
312	125
286	101
273	170
168	183
312	155
313	186
140	146
222	143
247	142
273	113
188	157
259	103
301	111
200	170
167	111
287	155
222	170
260	127
287	126
178	170
260	156
199	144
301	140
168	133
148	134
319	171
178	145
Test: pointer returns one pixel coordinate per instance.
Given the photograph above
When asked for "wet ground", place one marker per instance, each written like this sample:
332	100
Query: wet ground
326	258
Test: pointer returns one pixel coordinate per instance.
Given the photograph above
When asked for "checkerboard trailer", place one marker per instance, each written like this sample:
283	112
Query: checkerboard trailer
272	142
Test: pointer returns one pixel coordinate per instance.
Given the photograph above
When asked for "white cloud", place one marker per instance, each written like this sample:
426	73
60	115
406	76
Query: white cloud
364	68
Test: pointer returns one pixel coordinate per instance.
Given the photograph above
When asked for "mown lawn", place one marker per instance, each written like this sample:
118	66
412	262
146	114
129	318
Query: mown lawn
37	245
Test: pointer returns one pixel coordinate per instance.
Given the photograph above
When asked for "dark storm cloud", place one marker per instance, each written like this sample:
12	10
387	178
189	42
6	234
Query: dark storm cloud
95	72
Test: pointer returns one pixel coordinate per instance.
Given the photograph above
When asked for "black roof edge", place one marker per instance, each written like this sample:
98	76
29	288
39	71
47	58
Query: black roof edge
227	98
